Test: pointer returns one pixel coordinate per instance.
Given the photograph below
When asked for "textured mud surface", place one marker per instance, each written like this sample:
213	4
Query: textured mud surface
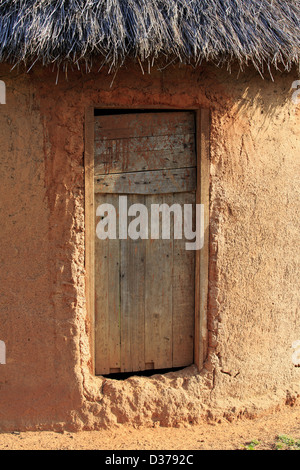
253	310
238	435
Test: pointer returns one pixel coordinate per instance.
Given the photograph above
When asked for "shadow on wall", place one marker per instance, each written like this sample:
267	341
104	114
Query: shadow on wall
270	97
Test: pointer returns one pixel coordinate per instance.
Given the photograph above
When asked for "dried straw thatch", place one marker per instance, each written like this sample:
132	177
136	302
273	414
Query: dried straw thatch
262	32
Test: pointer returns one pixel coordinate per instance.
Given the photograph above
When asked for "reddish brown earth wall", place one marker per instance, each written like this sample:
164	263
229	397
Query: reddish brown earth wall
253	314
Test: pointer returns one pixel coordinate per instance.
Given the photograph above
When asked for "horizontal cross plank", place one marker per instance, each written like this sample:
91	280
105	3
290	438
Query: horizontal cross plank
143	125
145	153
148	182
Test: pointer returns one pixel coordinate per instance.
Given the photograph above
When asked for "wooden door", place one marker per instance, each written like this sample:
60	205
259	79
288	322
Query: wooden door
144	288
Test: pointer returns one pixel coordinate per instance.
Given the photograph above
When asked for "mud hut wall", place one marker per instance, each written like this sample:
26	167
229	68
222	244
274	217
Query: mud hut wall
253	311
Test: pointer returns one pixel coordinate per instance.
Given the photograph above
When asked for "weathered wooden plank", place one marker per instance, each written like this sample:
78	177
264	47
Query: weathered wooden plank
107	295
125	304
144	124
102	353
158	296
114	309
145	153
202	256
183	288
204	253
133	259
148	182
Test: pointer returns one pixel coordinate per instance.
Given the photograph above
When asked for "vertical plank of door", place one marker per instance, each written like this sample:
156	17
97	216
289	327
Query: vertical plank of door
202	256
101	298
89	229
183	294
158	296
113	287
133	257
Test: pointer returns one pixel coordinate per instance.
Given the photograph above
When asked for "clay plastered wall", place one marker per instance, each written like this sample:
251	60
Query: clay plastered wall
253	279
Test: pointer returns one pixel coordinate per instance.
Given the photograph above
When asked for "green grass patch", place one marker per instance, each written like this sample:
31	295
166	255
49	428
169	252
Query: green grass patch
287	443
252	445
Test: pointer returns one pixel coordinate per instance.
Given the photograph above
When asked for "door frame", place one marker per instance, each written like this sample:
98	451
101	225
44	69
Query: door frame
202	197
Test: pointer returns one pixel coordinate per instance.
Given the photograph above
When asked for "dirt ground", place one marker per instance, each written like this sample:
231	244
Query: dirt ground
238	435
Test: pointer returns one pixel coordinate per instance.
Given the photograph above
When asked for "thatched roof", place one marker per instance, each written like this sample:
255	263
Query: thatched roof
262	32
